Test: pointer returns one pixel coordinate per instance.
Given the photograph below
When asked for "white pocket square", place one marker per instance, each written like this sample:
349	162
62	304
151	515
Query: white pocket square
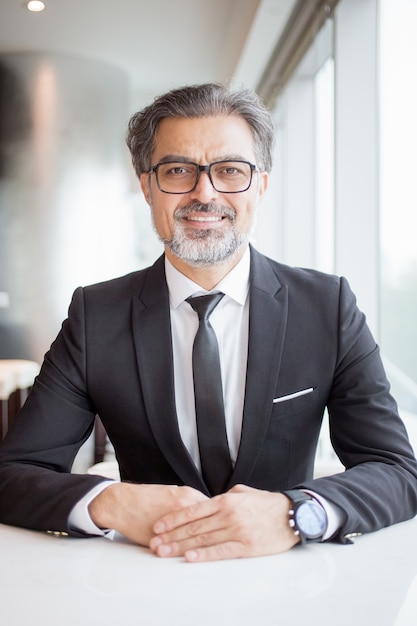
290	396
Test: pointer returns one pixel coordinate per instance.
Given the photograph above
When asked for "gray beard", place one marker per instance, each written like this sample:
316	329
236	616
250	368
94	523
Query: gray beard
203	248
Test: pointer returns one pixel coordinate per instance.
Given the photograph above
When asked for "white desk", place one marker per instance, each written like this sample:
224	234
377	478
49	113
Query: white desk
74	582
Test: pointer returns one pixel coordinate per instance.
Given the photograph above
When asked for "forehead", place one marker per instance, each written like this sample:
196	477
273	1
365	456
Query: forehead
204	139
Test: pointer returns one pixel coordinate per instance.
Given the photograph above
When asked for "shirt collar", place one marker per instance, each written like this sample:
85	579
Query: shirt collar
235	284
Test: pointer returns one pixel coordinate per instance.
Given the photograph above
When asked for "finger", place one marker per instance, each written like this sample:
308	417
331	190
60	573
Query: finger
201	532
185	515
233	549
218	552
179	548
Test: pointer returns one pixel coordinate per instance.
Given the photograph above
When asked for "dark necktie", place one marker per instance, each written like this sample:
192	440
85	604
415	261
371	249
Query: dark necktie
216	465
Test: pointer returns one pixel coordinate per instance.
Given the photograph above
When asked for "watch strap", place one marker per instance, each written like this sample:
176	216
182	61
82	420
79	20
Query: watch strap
297	496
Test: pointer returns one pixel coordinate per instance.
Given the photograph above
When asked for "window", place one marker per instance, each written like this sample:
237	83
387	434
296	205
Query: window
344	193
324	166
300	204
398	202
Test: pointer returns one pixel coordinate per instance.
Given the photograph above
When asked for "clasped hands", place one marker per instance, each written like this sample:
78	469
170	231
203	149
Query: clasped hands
181	521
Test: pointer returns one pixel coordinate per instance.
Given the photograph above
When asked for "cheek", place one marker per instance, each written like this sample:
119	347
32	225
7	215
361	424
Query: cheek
163	217
246	213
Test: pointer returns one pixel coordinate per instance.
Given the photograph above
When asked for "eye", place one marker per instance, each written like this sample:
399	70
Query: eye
231	170
176	170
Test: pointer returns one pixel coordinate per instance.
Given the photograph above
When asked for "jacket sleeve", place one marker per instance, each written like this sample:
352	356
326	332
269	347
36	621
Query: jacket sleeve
37	489
379	486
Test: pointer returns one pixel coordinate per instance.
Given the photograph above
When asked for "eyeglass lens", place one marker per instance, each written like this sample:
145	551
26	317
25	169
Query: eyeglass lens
225	176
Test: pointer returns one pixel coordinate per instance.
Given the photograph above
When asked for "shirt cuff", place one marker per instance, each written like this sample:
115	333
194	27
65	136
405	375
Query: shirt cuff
335	515
80	519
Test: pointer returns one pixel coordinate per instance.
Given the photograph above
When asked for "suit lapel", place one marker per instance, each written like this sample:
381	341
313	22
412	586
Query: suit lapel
267	323
153	343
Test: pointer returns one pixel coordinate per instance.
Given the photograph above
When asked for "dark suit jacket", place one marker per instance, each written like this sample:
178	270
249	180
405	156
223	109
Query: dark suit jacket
113	357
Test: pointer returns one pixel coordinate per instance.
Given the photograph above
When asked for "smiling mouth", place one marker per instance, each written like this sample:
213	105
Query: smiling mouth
206	218
198	213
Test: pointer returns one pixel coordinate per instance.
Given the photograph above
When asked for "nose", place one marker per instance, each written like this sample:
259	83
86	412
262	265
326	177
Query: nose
204	191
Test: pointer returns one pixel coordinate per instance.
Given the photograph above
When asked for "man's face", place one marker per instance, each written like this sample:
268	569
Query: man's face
204	227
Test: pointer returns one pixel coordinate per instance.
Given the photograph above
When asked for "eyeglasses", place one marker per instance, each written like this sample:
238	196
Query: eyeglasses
182	177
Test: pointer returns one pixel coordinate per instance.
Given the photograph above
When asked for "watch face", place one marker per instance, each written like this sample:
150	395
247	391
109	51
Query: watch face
311	519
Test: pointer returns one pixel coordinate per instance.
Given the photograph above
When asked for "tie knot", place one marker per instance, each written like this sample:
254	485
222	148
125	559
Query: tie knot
205	305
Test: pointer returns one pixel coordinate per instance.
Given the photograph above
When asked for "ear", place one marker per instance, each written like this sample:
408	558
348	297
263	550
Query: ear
262	184
145	185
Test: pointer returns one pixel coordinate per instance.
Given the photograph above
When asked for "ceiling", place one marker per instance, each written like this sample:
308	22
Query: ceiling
158	43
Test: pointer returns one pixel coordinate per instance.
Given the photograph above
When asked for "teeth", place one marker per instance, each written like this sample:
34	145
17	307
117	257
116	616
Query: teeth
205	219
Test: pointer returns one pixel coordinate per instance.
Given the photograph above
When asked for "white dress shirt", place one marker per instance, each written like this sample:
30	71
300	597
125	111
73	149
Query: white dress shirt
230	321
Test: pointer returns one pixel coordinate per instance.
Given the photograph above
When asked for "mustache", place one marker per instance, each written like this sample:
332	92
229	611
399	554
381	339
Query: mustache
211	208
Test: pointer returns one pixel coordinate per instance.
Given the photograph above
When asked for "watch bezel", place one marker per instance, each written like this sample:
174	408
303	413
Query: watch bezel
300	500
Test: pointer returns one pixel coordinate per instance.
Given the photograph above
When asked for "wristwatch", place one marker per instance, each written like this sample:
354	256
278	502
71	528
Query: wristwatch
308	518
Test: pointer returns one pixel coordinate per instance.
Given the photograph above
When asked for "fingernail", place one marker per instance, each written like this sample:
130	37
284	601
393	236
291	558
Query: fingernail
159	527
191	555
164	550
155	543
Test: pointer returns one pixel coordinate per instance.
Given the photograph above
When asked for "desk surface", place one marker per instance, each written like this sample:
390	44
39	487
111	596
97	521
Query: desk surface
65	581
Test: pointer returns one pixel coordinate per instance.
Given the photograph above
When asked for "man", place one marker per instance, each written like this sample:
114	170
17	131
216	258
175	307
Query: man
292	342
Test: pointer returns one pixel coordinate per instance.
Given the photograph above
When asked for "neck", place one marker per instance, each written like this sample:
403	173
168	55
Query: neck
205	277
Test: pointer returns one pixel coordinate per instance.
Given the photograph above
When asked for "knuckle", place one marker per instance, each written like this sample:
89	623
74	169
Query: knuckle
226	502
186	496
249	540
191	511
193	529
202	540
183	503
228	550
232	514
244	534
186	492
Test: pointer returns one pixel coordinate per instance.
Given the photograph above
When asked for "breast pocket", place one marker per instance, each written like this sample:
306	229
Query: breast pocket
295	401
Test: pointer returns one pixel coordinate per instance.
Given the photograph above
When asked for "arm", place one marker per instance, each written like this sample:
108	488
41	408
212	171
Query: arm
37	489
378	488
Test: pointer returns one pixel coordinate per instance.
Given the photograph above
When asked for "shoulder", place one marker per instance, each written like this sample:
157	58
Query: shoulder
298	278
113	298
306	289
125	286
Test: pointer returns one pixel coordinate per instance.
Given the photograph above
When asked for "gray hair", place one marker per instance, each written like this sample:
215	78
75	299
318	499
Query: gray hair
193	101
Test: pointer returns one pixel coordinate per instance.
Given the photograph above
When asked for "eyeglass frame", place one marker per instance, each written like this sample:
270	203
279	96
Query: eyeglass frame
203	168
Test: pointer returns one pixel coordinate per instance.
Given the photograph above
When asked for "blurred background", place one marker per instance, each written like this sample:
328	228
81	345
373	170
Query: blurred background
338	77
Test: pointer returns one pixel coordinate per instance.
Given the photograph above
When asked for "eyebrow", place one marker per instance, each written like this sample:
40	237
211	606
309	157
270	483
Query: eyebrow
180	158
175	158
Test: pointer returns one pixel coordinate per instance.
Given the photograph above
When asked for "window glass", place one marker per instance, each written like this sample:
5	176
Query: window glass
398	202
324	166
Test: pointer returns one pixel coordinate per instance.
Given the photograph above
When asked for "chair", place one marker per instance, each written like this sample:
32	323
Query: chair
100	441
16	379
108	469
